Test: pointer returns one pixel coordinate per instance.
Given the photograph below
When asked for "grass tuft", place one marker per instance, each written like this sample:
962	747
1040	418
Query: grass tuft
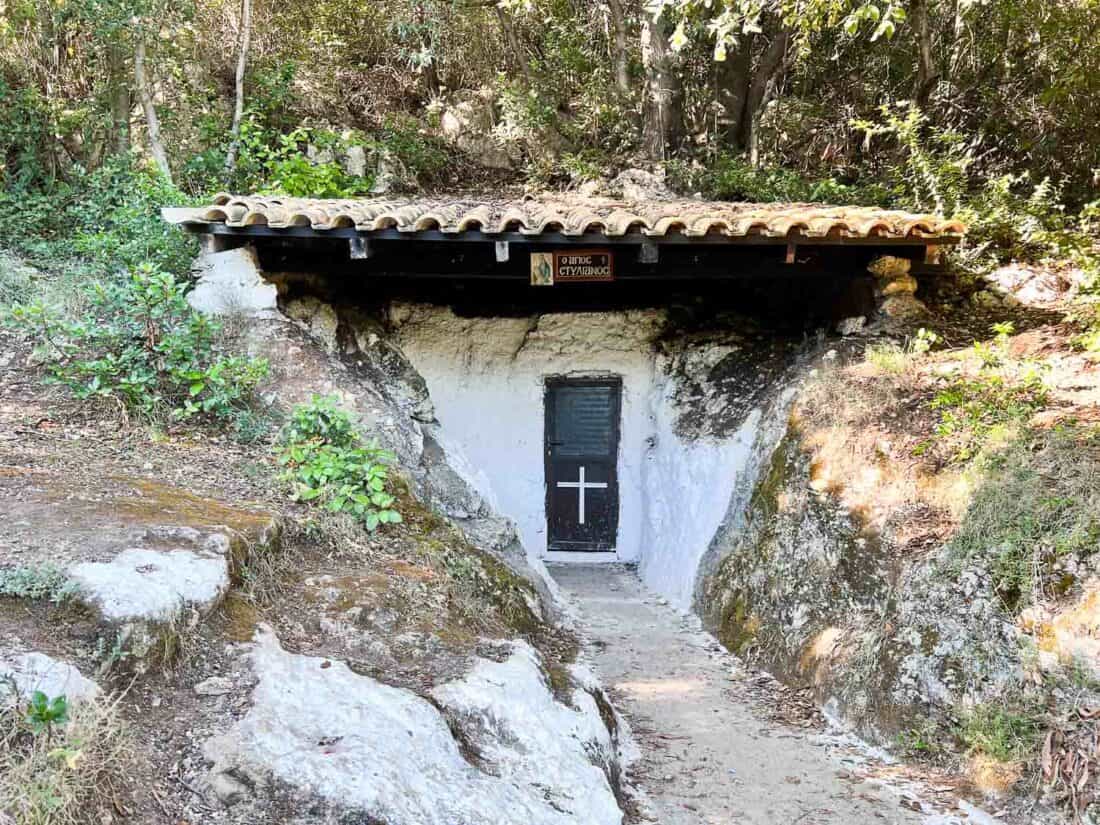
66	775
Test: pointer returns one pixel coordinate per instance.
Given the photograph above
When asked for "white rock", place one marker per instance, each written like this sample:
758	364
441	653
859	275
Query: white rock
532	739
214	686
230	283
29	672
151	585
369	747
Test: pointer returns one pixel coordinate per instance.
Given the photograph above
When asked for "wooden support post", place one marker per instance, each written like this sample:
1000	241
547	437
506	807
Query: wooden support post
791	247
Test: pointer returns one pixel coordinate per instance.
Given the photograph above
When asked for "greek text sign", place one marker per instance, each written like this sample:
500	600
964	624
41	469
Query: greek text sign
571	266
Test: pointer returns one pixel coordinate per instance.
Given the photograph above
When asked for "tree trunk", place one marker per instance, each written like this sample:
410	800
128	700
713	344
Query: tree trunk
619	46
152	125
120	99
926	69
512	40
238	106
734	78
663	106
772	63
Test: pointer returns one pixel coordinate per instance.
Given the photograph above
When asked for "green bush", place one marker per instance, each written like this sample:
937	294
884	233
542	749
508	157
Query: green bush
104	222
327	463
24	136
1034	515
1004	734
732	178
277	164
141	346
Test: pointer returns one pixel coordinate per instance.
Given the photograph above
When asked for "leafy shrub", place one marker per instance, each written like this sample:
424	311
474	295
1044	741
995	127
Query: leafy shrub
141	346
24	136
108	220
328	463
733	178
278	164
933	163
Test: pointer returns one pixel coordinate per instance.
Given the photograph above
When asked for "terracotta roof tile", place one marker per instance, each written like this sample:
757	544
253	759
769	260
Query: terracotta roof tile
570	215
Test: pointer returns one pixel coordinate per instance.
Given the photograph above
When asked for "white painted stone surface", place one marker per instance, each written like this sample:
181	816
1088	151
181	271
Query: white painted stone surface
29	672
687	492
369	747
486	377
230	283
152	585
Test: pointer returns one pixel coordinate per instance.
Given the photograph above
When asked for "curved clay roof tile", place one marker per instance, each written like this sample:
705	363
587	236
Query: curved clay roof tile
707	225
620	222
477	218
430	220
213	215
663	226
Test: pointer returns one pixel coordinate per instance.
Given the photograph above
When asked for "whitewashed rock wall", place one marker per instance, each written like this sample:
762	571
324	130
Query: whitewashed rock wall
486	378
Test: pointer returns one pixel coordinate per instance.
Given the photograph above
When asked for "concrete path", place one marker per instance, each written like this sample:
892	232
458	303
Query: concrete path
709	753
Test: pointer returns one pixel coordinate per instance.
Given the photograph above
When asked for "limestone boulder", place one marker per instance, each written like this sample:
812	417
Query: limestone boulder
144	557
22	674
389	755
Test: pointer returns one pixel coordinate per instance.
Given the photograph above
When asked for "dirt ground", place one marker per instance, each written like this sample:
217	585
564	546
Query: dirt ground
721	745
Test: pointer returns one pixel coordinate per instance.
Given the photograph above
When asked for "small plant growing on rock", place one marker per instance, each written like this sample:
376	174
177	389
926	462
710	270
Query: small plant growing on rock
1001	733
328	463
44	582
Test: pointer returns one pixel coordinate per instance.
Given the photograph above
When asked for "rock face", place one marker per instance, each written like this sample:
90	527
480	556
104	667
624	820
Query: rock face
467	123
367	749
805	590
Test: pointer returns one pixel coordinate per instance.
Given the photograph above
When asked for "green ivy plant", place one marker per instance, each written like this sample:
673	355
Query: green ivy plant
327	463
142	346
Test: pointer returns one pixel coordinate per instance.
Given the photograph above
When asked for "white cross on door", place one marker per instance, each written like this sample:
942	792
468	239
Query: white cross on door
581	486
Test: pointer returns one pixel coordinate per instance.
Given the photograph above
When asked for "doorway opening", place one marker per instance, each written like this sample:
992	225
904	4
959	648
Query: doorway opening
581	460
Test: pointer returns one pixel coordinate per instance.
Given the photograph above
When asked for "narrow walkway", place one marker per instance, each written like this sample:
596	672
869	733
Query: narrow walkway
709	754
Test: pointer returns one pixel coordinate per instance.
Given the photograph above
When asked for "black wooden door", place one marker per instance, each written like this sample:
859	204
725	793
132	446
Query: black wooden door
582	448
